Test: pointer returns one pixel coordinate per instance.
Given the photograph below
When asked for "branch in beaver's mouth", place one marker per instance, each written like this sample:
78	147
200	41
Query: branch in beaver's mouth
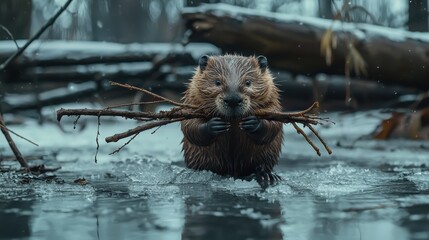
234	113
186	111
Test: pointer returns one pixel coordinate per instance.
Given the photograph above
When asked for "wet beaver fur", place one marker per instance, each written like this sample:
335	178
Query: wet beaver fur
233	142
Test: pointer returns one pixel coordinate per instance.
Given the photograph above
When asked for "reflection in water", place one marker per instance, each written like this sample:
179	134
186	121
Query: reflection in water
157	200
222	215
15	219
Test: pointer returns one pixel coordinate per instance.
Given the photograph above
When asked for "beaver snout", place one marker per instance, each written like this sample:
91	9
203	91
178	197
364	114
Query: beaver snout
233	100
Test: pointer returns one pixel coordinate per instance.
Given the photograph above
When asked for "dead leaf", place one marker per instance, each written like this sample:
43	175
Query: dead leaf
326	46
413	126
387	126
356	61
81	181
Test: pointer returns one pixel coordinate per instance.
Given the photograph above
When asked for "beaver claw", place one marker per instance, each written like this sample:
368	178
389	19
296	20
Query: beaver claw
264	177
216	126
250	124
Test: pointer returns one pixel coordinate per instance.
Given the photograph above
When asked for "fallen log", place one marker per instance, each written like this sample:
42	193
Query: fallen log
293	43
49	53
296	93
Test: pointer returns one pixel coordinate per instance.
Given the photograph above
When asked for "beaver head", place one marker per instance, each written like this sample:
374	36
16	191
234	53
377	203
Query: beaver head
232	86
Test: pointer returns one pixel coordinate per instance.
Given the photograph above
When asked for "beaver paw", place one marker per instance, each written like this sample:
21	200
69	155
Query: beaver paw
264	177
216	126
250	124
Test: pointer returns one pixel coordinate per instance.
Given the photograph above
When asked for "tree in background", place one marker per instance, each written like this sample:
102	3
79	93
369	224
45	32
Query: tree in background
16	16
418	15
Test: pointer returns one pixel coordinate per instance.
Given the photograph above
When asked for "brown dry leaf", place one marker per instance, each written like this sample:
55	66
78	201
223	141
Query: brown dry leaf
81	181
387	126
334	41
408	126
355	59
326	47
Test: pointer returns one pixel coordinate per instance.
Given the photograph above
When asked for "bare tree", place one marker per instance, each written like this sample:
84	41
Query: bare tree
325	9
16	16
418	15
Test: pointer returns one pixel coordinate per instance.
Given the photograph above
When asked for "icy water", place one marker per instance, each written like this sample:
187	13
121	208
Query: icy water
365	190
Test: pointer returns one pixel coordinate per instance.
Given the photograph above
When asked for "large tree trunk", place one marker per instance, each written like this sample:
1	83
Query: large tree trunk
16	17
292	43
418	15
325	9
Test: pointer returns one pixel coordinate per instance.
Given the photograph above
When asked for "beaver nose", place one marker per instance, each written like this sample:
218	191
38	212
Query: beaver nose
233	100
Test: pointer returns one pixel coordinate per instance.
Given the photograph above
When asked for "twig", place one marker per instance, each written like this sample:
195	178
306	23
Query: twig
320	138
179	114
75	122
153	94
300	131
364	10
185	111
96	139
41	169
141	128
132	104
127	114
315	105
12	145
10	35
16	134
125	144
36	36
298	117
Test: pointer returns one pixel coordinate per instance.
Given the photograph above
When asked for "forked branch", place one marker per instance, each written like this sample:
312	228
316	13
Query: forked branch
183	111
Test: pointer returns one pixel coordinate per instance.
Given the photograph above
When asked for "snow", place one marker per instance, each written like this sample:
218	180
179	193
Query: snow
51	49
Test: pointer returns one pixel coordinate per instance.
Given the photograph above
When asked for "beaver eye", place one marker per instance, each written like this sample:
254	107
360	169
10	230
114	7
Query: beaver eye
217	82
248	83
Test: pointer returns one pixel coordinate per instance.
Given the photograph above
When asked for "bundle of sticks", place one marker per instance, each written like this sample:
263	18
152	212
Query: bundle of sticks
182	111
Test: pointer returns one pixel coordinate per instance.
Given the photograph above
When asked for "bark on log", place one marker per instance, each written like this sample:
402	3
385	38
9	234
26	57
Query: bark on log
292	43
69	53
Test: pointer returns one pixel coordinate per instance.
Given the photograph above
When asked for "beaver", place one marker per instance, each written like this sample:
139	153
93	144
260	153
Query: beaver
232	141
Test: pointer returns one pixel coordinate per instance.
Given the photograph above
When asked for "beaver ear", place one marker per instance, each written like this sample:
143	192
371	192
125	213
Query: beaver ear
263	62
203	62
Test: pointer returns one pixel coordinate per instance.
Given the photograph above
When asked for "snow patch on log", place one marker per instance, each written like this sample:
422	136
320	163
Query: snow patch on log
359	30
55	49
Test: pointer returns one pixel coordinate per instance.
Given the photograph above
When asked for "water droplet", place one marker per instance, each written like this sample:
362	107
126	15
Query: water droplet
99	24
71	86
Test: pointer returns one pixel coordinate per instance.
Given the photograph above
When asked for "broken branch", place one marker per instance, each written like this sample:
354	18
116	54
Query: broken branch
141	128
300	131
174	113
12	145
185	111
152	94
16	134
320	138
